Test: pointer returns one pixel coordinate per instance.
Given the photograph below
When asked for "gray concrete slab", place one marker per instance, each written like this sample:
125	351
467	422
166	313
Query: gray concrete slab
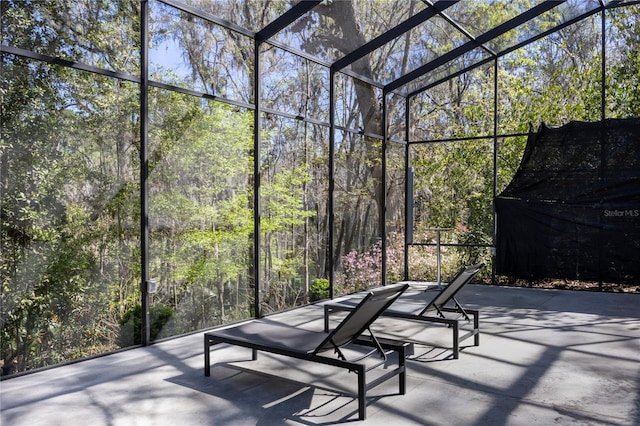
547	357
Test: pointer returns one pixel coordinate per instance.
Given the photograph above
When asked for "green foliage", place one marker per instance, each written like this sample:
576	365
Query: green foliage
319	289
623	96
282	199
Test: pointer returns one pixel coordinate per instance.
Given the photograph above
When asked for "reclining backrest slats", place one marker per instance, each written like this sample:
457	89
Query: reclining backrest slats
361	317
449	292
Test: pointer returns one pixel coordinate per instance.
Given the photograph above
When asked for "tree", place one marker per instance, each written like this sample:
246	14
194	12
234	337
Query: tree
623	99
200	214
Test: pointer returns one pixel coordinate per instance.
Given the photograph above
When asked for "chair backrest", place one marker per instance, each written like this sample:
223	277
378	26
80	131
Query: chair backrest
360	318
451	289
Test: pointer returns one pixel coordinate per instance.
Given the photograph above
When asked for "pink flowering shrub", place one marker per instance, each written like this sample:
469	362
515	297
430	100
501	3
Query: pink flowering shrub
362	270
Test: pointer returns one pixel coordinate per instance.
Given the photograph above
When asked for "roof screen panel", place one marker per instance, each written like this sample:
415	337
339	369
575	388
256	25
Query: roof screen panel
333	29
547	21
442	72
478	17
250	14
426	42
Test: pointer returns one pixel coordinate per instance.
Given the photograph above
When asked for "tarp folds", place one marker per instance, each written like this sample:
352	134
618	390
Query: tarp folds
572	209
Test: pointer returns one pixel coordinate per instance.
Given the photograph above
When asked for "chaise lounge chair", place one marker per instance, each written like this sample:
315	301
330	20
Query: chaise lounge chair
414	306
278	338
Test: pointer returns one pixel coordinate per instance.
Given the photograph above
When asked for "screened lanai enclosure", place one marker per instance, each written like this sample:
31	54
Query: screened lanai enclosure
173	165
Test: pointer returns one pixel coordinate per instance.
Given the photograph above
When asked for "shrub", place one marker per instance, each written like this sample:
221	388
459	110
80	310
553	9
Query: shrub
319	289
131	324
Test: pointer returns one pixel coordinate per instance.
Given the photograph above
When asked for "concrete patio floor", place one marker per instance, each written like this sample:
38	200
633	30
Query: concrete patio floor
546	357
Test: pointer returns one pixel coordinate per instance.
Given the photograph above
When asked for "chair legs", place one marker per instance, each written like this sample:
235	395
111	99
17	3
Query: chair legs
399	347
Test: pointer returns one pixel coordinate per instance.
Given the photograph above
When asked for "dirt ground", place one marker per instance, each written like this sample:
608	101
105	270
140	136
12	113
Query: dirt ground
572	285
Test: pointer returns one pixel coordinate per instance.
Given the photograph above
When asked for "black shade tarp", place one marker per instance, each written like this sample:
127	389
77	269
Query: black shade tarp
572	210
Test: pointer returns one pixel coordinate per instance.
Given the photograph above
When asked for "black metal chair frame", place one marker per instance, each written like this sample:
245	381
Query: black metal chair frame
438	303
270	336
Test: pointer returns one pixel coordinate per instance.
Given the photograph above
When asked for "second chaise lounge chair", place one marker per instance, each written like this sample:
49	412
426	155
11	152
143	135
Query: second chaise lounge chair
417	306
316	346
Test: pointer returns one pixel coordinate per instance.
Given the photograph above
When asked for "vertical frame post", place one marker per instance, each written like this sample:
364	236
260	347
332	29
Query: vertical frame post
330	203
408	191
603	132
383	201
495	165
603	86
144	172
256	179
